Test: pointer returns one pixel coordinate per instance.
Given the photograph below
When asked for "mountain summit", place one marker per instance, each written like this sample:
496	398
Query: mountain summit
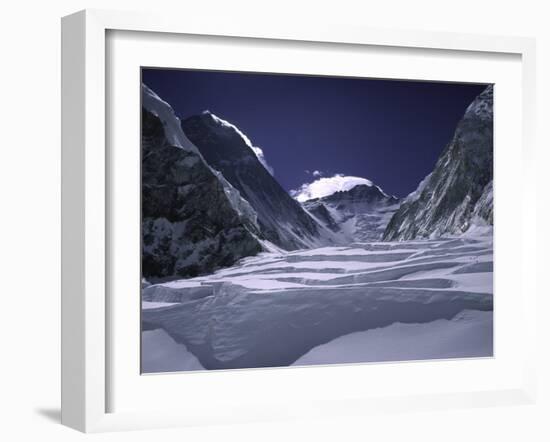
326	186
354	208
282	220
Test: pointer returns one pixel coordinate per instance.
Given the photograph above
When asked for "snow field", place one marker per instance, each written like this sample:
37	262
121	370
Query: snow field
364	303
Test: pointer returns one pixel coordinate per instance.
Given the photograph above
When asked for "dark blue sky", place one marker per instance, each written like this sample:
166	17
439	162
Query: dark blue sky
390	132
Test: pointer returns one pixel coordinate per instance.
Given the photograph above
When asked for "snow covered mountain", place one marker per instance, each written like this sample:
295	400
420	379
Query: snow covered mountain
281	219
193	220
458	194
358	211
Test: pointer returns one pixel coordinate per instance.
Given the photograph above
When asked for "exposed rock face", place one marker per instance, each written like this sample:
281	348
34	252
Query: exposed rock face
193	220
358	214
282	220
458	193
483	210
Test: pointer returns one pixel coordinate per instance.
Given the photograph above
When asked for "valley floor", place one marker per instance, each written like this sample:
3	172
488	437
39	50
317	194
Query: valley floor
368	302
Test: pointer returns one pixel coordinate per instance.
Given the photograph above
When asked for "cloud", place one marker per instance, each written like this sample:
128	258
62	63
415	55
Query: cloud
317	173
327	186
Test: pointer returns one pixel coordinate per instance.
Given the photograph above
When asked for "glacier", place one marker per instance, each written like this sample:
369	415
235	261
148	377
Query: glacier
469	334
280	309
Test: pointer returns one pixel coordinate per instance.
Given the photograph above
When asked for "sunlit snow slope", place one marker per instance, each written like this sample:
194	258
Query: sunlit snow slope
272	309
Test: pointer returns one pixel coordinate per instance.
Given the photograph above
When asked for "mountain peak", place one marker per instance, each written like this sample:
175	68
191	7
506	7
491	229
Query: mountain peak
358	212
225	148
214	120
224	128
326	186
151	102
177	184
361	192
482	106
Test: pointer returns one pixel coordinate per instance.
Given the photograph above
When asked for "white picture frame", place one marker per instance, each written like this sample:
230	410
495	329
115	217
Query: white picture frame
86	215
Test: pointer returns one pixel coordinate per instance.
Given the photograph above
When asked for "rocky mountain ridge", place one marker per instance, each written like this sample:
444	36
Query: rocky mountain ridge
282	220
359	214
193	220
458	194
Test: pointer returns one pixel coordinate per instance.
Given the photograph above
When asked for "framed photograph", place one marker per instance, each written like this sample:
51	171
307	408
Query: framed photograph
276	222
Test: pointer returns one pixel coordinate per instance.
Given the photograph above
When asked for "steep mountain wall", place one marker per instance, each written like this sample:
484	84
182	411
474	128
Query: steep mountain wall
282	220
193	220
458	193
